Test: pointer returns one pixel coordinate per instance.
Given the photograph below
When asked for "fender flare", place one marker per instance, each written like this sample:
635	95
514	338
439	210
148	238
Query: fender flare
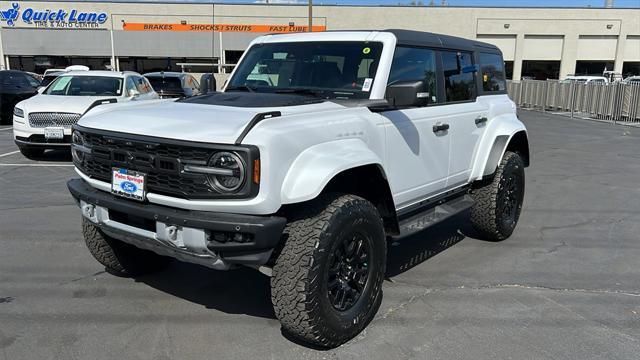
497	140
314	168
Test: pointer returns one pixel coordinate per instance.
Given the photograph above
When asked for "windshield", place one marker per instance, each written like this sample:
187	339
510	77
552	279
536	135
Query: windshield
85	86
165	83
47	79
326	69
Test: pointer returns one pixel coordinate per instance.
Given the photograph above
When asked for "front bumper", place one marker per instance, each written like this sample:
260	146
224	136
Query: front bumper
24	135
201	237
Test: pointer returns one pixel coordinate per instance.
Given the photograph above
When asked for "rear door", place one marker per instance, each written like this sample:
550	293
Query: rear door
466	113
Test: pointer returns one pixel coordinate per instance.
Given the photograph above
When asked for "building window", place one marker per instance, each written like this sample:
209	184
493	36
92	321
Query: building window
593	67
540	70
631	68
459	82
508	70
492	69
38	64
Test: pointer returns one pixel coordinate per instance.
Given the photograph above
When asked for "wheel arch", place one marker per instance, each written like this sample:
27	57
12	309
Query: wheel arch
345	166
505	133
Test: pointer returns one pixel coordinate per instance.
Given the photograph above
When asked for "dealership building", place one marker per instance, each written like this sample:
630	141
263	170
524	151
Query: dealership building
141	36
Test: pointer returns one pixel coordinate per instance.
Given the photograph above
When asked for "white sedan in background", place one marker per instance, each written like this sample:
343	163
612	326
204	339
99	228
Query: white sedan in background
44	121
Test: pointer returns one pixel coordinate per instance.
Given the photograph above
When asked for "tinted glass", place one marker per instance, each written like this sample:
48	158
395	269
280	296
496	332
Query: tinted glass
131	85
328	69
459	81
47	79
492	68
412	64
85	86
15	79
165	83
32	80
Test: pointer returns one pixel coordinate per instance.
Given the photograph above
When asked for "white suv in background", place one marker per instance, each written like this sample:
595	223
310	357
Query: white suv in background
44	121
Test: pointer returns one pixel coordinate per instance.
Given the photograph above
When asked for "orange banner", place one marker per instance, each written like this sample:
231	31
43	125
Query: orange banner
259	28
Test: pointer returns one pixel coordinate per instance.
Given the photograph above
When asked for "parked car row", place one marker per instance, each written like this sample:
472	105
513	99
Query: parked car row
44	110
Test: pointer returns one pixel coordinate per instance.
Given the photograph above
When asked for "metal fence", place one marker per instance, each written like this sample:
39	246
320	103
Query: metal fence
618	102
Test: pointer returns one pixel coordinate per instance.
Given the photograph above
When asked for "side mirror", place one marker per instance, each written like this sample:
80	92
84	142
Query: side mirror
207	83
41	89
407	94
134	93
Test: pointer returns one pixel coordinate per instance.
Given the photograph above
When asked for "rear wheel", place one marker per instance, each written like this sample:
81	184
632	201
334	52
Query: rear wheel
327	280
31	152
120	258
498	203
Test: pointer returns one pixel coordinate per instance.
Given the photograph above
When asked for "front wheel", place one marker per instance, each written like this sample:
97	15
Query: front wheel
120	258
498	203
327	281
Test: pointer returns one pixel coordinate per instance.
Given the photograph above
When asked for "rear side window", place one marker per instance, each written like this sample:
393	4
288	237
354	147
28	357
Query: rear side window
412	64
459	79
492	68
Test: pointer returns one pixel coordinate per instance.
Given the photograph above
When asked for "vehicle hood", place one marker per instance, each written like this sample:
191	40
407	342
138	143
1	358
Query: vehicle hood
186	121
57	103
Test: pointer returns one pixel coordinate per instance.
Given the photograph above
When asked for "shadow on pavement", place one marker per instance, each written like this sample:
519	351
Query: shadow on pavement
239	291
246	291
54	155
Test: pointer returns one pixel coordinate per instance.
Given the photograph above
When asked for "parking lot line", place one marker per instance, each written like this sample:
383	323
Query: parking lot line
39	165
5	129
9	153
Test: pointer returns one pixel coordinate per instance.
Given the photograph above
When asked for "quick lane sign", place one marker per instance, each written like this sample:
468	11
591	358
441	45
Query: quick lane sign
260	28
52	18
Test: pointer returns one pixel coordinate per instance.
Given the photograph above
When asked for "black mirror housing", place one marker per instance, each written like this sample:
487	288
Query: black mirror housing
407	94
207	83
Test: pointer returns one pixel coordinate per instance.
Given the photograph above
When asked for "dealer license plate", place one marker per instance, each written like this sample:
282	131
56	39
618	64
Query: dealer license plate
53	133
129	184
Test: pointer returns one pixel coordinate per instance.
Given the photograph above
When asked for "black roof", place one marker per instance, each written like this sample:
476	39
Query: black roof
421	38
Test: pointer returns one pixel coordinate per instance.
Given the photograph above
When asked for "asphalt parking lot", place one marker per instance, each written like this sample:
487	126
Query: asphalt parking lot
565	286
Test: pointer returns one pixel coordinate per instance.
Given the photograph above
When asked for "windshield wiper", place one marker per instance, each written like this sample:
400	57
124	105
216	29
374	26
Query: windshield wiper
316	93
240	88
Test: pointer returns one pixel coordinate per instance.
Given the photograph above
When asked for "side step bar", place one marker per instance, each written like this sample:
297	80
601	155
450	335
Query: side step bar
435	215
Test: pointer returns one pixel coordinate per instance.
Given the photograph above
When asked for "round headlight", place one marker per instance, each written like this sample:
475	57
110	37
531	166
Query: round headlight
76	139
232	174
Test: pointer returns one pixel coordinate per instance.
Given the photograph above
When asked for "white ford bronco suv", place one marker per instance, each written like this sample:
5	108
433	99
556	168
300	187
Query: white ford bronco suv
321	147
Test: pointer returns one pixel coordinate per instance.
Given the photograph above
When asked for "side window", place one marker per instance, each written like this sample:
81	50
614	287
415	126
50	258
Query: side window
412	64
492	69
459	79
131	85
141	86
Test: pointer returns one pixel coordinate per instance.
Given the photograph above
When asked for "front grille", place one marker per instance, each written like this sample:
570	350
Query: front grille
46	119
160	160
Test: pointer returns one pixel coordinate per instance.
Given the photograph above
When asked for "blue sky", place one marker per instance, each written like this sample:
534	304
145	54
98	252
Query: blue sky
542	3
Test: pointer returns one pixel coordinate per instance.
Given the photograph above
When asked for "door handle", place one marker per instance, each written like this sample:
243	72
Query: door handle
481	120
440	127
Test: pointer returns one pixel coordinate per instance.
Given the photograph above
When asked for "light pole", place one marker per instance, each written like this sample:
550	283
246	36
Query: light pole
310	15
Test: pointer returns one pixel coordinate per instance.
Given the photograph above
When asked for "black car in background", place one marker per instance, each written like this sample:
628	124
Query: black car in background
173	84
48	78
15	86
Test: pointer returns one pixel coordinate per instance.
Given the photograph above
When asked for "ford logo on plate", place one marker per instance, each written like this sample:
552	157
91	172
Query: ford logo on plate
128	186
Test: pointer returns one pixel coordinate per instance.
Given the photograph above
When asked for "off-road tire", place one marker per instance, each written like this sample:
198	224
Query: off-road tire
120	258
31	152
487	215
299	285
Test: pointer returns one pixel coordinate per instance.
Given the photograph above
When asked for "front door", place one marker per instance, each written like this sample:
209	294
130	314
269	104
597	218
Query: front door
417	141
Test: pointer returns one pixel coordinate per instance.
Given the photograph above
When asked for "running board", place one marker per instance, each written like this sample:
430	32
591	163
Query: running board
435	215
